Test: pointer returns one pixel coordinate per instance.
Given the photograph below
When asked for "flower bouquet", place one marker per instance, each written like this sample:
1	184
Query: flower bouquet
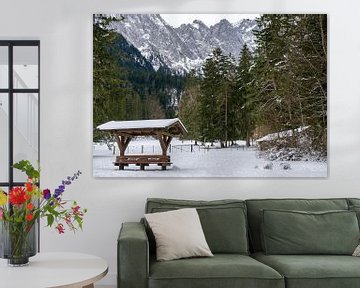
21	208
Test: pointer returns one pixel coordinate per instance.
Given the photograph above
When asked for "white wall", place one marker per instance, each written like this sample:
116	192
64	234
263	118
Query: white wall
65	30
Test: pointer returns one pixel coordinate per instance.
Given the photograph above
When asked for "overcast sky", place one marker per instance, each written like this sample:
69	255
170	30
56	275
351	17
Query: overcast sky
176	20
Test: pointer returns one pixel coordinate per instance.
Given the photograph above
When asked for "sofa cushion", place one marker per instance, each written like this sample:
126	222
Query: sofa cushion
356	209
313	271
222	270
254	216
353	201
297	232
354	205
223	221
178	234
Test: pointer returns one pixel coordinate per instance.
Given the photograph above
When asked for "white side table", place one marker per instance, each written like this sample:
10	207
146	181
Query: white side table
50	270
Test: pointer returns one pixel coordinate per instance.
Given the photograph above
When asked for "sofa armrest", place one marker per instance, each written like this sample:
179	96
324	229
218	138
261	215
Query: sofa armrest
133	256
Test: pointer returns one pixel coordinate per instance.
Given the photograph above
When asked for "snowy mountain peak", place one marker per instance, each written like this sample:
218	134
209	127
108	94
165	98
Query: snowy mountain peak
242	22
224	22
198	24
186	47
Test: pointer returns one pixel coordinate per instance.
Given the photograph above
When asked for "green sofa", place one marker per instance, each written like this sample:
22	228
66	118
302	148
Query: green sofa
246	238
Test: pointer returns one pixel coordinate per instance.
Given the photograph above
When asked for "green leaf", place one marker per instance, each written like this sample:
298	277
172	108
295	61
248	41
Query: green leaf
50	219
26	167
53	212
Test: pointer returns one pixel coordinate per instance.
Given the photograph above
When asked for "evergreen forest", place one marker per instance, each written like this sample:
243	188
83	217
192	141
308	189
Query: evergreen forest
281	86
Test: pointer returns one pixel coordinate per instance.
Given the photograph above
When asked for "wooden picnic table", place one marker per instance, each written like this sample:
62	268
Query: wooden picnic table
142	161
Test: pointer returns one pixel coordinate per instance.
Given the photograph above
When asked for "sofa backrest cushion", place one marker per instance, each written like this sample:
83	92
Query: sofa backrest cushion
298	232
354	205
223	221
353	202
256	205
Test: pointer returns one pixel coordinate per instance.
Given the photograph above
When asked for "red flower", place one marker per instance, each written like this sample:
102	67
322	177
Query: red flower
29	217
29	206
75	209
60	228
29	186
27	196
17	196
68	219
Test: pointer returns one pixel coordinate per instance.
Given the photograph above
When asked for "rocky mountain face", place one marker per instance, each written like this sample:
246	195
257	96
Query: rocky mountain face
186	47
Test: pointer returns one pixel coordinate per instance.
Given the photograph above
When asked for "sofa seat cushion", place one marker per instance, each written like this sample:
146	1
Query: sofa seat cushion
222	270
312	271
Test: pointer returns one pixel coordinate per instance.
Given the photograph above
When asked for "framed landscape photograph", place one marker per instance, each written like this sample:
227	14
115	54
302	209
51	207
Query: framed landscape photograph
210	95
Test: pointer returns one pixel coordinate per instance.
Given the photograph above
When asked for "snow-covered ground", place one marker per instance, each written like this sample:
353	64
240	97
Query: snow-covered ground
202	162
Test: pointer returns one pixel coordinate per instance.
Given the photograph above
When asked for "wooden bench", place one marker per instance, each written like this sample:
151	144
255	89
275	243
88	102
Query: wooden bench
142	161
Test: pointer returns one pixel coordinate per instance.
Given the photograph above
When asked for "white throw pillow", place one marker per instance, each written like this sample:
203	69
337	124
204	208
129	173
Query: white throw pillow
178	234
357	251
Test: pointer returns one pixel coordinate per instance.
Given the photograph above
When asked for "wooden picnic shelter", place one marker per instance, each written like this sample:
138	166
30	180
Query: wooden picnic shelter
162	129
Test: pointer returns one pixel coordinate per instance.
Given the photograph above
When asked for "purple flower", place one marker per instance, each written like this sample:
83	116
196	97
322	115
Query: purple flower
57	192
68	181
46	194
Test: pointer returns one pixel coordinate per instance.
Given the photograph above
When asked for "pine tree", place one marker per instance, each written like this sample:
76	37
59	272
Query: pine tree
243	98
106	74
311	79
208	101
271	71
189	106
218	72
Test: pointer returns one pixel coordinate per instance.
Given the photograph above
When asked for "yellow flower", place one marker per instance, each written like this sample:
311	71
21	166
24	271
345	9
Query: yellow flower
3	198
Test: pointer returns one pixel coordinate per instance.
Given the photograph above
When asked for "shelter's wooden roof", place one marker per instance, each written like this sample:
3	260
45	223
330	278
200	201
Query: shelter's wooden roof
145	127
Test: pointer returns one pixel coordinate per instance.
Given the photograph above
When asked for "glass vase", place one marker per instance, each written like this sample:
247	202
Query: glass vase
18	242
